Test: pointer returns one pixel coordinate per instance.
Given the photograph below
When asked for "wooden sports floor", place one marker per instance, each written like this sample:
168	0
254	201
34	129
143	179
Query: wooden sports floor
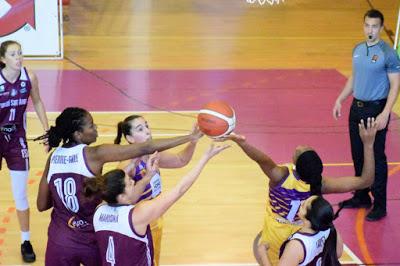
281	67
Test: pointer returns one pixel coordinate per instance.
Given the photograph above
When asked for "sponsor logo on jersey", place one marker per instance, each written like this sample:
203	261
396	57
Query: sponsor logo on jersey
23	90
73	222
23	84
374	58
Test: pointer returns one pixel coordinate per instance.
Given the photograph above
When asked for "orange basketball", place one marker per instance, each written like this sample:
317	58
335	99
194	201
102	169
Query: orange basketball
216	119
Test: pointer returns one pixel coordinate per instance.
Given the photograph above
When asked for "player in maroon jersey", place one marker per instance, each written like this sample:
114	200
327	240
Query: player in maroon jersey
71	239
16	85
122	229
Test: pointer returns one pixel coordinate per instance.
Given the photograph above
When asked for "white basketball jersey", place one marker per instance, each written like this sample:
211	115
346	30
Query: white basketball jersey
313	246
117	239
69	160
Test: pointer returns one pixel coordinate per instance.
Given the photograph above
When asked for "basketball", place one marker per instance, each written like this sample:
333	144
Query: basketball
216	119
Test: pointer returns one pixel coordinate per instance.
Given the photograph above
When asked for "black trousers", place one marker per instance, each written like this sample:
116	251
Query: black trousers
362	110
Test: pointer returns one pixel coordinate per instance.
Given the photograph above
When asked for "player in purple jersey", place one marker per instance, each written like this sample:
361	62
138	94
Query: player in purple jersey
289	185
316	243
16	85
71	236
136	129
122	229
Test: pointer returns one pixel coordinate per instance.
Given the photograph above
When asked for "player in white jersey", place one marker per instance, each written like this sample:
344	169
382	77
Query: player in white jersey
317	242
122	230
17	85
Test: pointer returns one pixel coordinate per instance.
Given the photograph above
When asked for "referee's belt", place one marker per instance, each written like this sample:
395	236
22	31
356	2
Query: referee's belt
360	103
8	129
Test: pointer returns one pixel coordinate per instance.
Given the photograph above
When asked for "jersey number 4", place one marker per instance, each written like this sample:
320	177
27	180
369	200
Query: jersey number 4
110	253
67	192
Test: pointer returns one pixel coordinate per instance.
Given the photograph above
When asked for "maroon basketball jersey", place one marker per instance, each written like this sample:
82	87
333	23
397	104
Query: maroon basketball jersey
72	215
119	243
14	99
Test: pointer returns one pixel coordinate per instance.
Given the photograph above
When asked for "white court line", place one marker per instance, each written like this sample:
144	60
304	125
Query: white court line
352	256
130	112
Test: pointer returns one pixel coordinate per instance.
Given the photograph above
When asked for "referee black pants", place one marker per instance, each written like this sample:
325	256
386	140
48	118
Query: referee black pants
362	110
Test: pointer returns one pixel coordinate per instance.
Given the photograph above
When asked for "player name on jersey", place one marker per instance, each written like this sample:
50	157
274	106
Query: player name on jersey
62	159
108	218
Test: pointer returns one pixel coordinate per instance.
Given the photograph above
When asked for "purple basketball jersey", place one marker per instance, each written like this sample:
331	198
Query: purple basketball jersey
153	188
118	241
14	99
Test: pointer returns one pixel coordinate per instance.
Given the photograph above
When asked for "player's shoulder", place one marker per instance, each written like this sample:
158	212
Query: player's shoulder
32	76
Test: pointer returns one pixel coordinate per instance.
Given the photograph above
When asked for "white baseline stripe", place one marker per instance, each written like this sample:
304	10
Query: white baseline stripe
130	112
352	255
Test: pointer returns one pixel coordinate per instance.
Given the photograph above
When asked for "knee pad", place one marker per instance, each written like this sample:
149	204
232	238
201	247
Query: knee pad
19	188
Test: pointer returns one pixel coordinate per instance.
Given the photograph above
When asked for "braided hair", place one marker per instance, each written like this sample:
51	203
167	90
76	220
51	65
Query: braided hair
309	167
69	121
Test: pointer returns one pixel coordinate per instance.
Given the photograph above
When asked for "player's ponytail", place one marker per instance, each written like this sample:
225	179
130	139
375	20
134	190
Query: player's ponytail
330	257
108	186
309	167
124	128
54	137
117	140
321	217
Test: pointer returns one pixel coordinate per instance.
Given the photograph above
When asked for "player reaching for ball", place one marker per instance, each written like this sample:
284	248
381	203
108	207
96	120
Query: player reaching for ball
122	229
69	169
136	129
289	187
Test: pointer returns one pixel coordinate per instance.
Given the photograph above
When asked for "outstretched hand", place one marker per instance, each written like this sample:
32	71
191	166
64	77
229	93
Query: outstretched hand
215	149
152	164
232	136
196	133
368	132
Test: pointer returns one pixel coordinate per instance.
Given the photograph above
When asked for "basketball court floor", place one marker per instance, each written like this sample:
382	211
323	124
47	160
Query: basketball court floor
281	67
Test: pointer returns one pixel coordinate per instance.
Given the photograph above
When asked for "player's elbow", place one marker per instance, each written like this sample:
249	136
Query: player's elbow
42	206
368	180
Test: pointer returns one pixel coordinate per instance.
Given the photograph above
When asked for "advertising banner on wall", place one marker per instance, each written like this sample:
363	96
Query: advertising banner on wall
35	24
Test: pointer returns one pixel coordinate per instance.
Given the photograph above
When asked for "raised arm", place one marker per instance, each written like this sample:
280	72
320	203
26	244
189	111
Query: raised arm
43	201
176	160
148	211
275	172
347	184
98	155
151	170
